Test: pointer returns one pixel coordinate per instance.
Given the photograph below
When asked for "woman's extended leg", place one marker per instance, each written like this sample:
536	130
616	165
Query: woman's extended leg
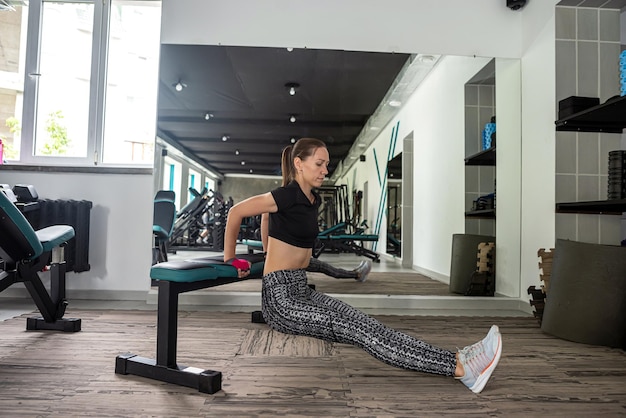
290	306
360	273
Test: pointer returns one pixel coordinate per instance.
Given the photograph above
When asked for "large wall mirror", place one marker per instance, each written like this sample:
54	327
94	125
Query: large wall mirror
191	30
394	206
502	78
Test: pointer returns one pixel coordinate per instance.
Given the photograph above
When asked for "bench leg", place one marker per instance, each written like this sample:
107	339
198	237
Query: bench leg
165	368
205	381
51	306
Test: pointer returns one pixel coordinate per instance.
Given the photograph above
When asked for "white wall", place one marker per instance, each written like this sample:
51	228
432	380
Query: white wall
538	138
121	229
434	115
451	27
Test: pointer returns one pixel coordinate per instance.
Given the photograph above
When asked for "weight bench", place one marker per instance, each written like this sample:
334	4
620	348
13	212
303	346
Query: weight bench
25	252
350	243
174	278
253	245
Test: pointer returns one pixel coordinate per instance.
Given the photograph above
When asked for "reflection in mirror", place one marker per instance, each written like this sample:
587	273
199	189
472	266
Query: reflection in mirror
435	118
394	206
480	146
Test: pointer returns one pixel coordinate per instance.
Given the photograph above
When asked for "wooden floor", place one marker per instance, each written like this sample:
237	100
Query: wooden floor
268	374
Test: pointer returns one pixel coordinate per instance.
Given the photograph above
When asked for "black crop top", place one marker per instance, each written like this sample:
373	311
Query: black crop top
295	222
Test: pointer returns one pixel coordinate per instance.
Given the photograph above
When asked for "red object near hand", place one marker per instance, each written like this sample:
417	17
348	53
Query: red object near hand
240	264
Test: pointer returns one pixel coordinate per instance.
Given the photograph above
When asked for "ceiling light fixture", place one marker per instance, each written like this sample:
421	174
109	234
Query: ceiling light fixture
225	138
208	116
292	118
179	86
395	103
250	171
243	163
291	88
293	140
289	49
236	152
426	59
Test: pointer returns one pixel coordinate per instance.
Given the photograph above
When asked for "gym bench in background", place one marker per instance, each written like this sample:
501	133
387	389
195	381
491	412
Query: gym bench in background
24	253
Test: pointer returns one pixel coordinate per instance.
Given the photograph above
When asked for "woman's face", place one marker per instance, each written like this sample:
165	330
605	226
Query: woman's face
314	168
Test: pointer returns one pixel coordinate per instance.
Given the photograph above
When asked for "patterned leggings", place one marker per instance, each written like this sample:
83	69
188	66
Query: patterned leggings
317	266
292	307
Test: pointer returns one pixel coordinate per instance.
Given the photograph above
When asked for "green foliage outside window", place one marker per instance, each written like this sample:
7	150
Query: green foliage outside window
10	153
58	142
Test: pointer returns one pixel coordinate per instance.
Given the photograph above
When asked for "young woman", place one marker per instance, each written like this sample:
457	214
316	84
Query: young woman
290	306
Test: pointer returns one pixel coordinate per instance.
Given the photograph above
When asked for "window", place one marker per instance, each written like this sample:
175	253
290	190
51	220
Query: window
193	182
12	58
172	175
131	96
89	93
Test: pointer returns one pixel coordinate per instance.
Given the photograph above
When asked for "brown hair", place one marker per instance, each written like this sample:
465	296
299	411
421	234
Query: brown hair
303	148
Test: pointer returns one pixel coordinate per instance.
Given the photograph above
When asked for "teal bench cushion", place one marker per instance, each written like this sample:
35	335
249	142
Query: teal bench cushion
184	271
355	237
55	235
204	268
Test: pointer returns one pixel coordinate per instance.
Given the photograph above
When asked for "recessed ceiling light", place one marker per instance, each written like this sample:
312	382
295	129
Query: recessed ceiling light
208	116
289	49
236	152
179	86
291	88
225	138
250	171
395	103
428	59
243	163
292	118
293	140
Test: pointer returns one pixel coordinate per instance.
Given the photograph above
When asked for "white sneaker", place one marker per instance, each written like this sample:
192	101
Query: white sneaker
480	360
363	270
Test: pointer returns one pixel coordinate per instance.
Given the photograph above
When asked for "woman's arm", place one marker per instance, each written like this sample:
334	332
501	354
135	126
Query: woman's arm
253	206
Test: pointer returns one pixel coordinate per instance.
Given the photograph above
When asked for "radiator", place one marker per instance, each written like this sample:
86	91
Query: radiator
76	213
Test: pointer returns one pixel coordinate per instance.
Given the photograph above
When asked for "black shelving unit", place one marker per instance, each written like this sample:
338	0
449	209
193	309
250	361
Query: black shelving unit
603	207
609	116
481	214
484	157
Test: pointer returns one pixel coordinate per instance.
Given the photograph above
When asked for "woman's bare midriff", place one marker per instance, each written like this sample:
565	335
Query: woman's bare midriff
282	256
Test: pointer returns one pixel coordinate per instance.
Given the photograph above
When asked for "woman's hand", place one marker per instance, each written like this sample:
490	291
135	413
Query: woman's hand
242	266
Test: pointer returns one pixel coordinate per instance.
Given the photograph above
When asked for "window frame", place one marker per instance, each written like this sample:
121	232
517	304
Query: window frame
97	91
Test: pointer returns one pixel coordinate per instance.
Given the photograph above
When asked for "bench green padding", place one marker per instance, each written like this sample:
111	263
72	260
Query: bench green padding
340	227
54	235
353	237
252	243
203	268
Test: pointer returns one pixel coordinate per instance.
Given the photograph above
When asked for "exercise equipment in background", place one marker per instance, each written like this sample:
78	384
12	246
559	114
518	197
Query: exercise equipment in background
164	215
206	211
24	254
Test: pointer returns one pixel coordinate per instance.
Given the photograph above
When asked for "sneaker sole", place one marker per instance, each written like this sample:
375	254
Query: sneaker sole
481	381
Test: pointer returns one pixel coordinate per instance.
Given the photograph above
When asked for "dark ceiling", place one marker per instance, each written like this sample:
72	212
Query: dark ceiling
244	92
